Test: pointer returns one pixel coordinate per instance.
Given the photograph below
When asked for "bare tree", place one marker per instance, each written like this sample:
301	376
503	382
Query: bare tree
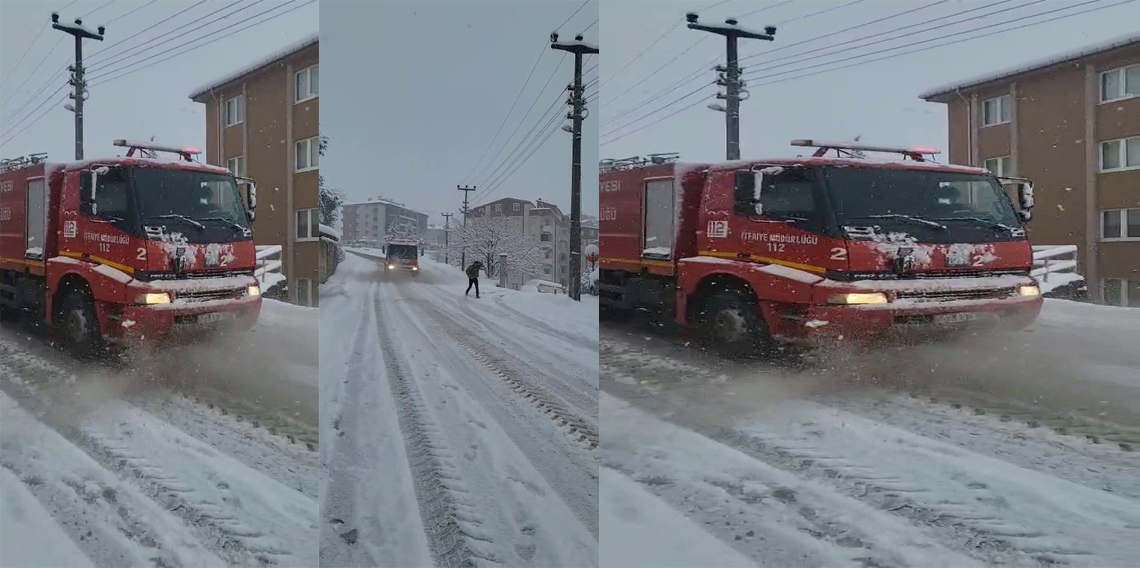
487	236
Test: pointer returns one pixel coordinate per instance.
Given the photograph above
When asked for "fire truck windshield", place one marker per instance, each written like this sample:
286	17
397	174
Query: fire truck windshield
932	204
407	252
187	198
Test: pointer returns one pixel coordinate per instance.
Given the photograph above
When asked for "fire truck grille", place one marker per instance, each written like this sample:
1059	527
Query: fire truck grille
948	295
207	295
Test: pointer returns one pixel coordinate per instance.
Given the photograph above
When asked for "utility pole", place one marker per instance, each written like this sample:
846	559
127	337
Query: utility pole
577	101
466	192
446	235
80	93
729	76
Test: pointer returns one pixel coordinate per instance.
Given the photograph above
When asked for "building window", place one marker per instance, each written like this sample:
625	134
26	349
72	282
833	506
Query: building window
308	154
997	110
1120	83
235	111
308	83
498	208
1001	167
1120	224
1121	154
1121	292
544	237
236	166
516	207
307	225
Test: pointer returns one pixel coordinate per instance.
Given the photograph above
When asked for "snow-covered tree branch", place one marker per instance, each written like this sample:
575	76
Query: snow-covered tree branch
488	236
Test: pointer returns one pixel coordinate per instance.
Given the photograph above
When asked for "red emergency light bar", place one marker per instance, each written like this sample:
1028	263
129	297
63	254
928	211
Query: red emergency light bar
916	154
186	153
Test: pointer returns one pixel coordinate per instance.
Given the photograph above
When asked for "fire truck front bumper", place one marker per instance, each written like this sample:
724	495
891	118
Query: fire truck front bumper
183	321
903	321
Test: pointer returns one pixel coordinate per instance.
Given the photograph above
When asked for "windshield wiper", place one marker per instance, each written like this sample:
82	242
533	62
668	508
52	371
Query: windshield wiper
993	224
224	220
182	218
910	218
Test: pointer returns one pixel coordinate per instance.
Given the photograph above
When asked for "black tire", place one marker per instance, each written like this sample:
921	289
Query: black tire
730	322
78	325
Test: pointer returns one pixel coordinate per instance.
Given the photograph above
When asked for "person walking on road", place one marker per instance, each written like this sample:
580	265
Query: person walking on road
473	278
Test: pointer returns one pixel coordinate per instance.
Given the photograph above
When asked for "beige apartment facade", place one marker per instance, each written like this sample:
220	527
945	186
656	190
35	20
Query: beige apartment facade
544	221
264	122
1070	123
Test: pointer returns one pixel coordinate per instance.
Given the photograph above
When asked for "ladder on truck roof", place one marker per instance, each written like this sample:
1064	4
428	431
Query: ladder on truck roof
851	149
8	164
150	148
608	164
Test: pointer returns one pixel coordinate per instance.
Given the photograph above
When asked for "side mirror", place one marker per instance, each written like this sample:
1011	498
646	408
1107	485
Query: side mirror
1025	215
746	192
87	182
252	211
1025	195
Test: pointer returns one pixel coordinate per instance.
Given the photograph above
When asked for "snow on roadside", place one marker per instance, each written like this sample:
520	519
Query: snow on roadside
29	536
637	525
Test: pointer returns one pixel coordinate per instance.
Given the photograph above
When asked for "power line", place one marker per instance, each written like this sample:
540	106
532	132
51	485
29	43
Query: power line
588	27
153	26
528	111
884	50
41	64
943	24
121	16
231	32
182	33
688	79
15	134
818	12
508	116
104	5
658	70
546	115
757	11
25	54
927	48
53	77
572	15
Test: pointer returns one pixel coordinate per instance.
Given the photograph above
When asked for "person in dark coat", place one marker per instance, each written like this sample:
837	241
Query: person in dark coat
473	277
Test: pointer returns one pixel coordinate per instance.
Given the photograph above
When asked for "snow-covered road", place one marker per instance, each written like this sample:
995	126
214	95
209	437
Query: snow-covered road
1021	450
455	431
179	460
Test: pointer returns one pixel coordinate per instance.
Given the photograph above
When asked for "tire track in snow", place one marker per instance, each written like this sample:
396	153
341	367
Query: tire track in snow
449	520
528	389
983	526
212	522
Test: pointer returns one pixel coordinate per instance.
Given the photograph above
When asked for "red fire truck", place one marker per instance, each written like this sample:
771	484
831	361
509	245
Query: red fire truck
402	254
133	248
817	249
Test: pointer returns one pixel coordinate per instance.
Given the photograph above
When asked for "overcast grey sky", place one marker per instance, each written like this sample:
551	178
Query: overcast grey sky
150	102
878	100
415	92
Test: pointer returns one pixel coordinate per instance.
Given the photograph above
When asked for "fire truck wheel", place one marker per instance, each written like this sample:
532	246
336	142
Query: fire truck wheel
731	322
80	324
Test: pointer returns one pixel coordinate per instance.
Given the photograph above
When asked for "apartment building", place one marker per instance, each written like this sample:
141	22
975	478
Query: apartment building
1070	123
262	121
544	221
375	220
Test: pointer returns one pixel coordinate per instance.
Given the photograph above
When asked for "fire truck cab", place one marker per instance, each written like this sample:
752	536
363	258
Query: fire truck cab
402	254
817	249
134	248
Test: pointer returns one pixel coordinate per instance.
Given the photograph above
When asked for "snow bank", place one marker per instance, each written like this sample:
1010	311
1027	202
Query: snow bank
29	536
636	524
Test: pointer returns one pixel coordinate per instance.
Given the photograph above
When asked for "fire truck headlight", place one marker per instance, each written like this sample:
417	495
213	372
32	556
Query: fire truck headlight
153	298
391	267
859	298
415	268
1030	290
254	290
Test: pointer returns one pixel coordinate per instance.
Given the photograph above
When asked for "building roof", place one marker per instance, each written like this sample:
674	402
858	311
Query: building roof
383	202
1034	65
295	47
